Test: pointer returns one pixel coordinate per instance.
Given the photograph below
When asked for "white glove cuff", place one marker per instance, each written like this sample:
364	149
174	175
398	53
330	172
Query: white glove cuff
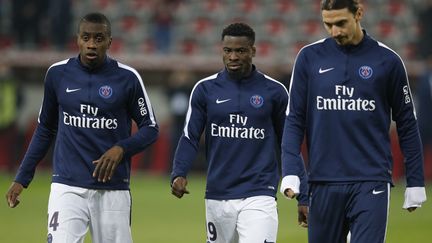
414	197
290	182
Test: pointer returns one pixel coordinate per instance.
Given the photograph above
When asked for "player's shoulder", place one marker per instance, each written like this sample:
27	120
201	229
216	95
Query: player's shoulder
60	65
315	46
377	50
207	81
272	86
387	52
57	69
125	70
271	82
124	67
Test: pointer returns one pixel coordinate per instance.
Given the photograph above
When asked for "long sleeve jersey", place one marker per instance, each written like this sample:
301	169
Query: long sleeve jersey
343	99
243	122
87	112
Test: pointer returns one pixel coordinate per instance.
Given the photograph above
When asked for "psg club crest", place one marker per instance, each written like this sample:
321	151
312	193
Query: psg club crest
105	91
257	101
365	72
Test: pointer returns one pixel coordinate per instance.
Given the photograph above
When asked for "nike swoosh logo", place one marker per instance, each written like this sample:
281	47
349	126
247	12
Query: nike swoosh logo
325	70
265	241
221	101
71	90
376	192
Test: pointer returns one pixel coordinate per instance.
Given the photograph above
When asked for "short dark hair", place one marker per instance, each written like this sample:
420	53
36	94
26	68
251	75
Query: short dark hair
352	5
239	29
96	18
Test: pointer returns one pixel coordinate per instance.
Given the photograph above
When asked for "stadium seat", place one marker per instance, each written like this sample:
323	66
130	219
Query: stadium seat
265	48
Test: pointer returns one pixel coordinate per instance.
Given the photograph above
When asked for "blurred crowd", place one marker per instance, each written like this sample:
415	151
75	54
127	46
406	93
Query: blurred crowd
188	27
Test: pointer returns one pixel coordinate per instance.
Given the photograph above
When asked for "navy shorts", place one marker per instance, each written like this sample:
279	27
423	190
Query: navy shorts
360	208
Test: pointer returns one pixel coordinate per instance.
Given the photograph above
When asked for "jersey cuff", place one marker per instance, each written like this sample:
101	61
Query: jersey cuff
290	182
414	197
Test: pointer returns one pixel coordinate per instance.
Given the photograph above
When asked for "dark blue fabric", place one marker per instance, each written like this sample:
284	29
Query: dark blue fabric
335	209
342	99
87	112
243	122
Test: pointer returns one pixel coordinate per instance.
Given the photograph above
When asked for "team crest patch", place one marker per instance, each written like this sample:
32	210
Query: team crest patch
105	91
257	101
365	72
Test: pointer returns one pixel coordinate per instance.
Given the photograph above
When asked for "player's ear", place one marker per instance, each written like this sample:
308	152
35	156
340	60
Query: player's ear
253	51
109	43
359	14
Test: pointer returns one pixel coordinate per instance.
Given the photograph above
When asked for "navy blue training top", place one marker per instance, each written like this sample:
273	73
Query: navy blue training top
343	99
243	122
87	112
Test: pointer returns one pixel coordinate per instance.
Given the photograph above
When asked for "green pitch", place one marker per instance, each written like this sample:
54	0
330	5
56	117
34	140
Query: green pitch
159	217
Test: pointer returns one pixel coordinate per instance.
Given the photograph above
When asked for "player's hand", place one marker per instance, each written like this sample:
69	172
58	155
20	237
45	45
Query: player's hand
107	163
178	187
12	196
303	212
289	193
411	209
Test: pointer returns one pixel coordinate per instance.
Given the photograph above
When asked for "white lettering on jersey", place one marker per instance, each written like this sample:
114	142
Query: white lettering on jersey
88	109
343	90
237	129
406	94
344	101
141	104
89	122
235	118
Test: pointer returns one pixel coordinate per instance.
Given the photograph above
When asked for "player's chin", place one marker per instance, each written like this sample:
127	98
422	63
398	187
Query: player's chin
235	73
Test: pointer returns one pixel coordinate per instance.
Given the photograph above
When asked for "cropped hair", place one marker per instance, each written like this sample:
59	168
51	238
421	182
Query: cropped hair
239	29
96	18
352	5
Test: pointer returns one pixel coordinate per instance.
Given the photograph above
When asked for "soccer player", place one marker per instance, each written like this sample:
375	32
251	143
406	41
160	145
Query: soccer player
344	92
88	107
242	111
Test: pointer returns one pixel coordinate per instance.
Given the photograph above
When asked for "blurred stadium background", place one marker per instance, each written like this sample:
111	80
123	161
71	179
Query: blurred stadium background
173	44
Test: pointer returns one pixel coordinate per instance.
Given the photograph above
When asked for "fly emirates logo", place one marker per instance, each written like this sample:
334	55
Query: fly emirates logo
89	119
238	129
344	101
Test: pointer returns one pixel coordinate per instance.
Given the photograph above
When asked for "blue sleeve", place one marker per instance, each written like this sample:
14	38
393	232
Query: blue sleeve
188	144
303	196
424	104
141	111
292	162
44	134
403	113
294	128
279	113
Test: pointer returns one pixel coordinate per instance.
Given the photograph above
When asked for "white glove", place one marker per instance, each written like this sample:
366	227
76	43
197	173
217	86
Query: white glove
414	197
290	182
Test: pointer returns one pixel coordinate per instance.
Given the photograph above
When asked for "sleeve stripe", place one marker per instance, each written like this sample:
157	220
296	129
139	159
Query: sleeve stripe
406	75
151	114
189	111
276	81
294	66
53	65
